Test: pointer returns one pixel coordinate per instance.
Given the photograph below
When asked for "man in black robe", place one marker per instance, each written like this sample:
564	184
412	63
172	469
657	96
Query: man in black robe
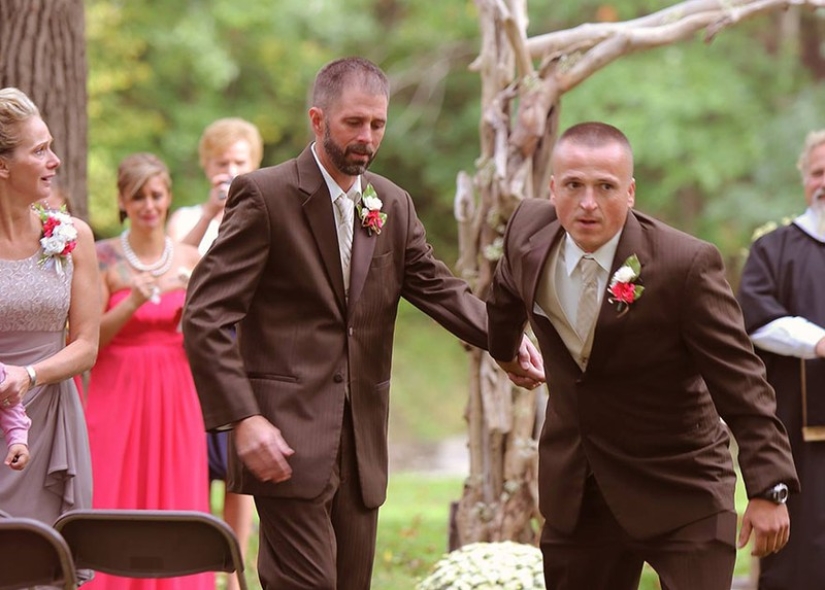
782	294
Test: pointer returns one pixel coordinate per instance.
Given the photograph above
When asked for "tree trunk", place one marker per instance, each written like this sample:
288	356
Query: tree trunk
43	52
500	495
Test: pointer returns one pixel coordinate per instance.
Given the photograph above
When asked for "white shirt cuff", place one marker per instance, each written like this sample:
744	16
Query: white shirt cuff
789	336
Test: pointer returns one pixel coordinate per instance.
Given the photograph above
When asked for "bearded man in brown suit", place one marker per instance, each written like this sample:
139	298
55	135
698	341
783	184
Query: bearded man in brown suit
311	260
634	463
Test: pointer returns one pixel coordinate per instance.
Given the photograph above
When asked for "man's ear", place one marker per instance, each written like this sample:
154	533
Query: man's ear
631	193
4	168
316	120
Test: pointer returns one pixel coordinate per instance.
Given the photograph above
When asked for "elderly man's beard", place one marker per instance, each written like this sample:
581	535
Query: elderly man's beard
340	157
818	209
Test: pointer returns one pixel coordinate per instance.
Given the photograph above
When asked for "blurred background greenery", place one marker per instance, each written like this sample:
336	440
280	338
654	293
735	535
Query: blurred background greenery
716	127
716	130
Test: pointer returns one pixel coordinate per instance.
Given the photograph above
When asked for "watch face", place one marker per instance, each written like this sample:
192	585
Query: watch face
778	493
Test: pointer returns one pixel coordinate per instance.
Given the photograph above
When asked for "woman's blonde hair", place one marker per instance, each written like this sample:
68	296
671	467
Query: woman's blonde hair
220	135
15	108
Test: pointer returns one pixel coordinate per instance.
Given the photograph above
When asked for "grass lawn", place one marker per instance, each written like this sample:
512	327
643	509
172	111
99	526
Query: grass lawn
429	391
412	533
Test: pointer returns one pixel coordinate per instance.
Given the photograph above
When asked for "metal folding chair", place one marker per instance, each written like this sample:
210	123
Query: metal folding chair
33	554
151	543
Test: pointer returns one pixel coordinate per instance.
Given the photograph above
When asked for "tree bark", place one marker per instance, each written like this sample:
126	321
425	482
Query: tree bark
499	501
43	52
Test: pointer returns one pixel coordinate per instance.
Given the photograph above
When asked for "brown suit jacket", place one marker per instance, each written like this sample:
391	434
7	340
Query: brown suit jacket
644	415
275	273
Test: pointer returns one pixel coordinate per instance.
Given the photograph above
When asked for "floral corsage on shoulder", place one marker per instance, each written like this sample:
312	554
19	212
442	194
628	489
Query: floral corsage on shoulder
623	289
369	211
59	237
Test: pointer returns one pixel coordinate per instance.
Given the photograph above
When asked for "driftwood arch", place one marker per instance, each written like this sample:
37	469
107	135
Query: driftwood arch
523	80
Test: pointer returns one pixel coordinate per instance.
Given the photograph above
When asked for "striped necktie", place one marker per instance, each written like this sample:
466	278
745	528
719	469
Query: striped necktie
346	211
589	300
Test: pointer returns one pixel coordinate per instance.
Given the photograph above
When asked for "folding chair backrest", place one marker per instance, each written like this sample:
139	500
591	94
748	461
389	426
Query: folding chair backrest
151	543
33	553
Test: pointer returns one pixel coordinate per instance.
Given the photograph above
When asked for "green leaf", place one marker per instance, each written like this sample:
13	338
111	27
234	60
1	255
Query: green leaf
634	264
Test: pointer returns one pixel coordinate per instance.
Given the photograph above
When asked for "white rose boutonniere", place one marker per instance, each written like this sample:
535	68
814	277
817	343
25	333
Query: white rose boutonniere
369	211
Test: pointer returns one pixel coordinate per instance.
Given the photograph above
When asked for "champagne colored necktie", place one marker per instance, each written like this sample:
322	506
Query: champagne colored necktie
346	209
589	300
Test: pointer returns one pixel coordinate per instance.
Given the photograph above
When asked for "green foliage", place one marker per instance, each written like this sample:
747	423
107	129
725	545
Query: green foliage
715	127
430	375
160	72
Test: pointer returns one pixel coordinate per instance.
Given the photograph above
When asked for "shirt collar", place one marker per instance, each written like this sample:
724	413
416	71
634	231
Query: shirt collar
808	223
334	188
604	255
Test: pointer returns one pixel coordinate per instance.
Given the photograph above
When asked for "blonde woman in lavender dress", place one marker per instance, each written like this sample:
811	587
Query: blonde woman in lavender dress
49	319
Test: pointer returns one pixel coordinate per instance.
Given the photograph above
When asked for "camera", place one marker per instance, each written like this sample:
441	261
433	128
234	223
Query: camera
224	190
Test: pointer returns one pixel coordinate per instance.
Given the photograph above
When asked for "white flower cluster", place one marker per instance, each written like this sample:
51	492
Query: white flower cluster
488	566
371	203
63	233
625	274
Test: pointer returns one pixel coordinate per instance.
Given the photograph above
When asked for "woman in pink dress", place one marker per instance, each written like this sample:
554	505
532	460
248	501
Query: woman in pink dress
146	431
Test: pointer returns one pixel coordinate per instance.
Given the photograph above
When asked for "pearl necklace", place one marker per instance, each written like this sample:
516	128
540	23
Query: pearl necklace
163	264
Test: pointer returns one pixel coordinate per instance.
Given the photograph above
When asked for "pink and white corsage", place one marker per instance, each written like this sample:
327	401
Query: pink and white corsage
59	237
623	290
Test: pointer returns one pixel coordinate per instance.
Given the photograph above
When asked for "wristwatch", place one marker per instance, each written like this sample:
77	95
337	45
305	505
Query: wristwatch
778	494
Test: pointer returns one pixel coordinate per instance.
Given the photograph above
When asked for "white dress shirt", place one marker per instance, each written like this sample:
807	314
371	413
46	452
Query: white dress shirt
569	276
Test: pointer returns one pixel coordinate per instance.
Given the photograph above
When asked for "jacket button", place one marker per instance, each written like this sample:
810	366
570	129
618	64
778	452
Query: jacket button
338	378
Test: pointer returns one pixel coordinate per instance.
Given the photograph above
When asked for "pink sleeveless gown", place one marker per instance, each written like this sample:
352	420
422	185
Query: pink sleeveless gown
146	430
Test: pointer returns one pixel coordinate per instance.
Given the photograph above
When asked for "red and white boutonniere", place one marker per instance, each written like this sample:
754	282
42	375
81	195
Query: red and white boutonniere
59	237
369	211
623	289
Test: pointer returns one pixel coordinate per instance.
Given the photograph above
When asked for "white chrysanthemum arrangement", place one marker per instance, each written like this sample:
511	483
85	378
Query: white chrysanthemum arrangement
488	566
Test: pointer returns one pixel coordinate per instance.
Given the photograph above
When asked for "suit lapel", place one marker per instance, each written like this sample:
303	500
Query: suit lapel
363	245
611	324
318	211
535	257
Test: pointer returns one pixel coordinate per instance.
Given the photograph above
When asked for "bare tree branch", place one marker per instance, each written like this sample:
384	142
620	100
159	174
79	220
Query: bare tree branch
587	35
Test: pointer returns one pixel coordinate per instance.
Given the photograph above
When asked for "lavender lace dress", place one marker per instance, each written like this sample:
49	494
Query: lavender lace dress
34	304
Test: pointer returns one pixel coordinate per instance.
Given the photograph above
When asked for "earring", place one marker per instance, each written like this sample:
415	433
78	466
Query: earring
122	214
